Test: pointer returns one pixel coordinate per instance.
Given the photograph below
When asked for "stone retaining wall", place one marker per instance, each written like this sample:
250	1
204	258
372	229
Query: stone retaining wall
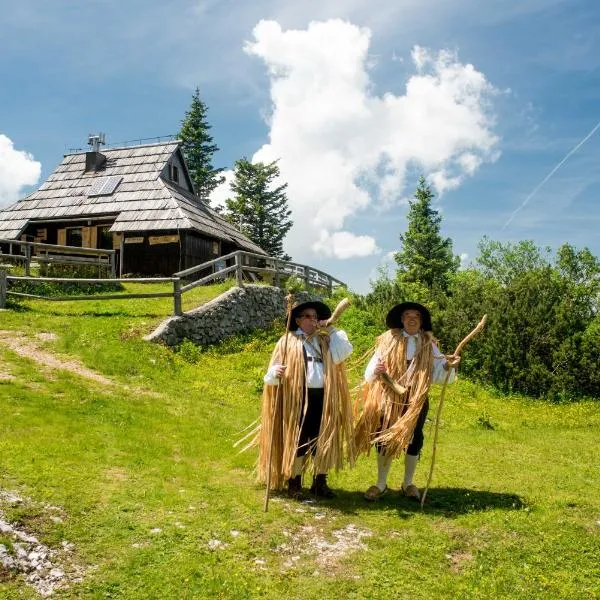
238	310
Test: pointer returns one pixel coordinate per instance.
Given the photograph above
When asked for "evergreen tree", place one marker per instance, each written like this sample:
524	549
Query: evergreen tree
198	148
258	209
425	256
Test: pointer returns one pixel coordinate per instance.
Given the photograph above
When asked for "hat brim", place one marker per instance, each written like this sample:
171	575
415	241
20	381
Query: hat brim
394	317
323	311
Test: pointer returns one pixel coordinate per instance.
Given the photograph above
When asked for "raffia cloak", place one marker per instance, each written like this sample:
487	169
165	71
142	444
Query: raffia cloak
388	418
283	410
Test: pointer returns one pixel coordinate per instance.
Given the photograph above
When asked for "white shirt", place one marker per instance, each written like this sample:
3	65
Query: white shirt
439	360
339	349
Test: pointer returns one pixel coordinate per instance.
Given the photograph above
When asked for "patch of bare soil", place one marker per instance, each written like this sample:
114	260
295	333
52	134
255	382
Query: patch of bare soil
310	542
459	559
27	348
6	376
23	555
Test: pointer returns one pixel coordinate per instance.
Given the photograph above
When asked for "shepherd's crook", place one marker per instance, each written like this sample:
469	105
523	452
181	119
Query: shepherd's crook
289	304
457	352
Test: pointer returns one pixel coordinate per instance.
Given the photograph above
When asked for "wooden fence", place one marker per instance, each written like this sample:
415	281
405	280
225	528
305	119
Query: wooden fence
52	254
241	264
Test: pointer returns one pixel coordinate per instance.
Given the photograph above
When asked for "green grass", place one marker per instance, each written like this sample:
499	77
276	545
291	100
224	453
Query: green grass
513	511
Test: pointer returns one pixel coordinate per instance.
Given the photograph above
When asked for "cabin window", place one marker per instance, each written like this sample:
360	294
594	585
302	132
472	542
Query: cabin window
105	238
173	173
74	236
215	248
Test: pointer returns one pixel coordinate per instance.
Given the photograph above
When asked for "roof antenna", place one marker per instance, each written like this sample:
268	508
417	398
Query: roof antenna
95	140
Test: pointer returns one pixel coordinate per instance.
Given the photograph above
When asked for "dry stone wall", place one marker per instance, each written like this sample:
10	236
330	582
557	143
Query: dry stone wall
239	310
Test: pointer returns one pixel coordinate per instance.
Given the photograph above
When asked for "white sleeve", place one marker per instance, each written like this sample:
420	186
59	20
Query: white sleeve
339	346
271	377
370	370
439	373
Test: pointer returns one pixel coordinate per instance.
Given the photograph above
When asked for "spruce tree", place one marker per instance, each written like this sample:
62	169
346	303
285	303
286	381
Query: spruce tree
259	209
198	148
425	256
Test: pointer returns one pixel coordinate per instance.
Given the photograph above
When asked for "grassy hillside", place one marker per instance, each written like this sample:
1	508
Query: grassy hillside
121	455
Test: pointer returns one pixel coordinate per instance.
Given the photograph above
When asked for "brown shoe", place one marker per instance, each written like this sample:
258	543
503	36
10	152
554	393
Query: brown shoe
411	491
374	493
294	490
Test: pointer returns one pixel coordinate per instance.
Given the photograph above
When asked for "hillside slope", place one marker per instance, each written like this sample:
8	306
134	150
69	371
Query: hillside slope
117	456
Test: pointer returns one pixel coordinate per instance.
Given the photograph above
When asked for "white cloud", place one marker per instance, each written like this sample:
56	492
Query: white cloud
343	244
17	170
343	148
223	191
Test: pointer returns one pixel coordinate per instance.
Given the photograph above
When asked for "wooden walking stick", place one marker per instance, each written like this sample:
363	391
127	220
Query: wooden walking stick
278	398
457	352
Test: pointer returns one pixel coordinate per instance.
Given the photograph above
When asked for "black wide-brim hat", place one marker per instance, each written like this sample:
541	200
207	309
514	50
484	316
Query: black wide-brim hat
323	311
394	317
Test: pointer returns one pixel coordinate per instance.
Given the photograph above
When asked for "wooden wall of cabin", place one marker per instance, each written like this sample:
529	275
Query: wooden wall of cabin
151	253
198	249
88	236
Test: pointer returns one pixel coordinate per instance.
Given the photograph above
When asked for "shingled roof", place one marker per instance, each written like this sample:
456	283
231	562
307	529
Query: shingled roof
141	201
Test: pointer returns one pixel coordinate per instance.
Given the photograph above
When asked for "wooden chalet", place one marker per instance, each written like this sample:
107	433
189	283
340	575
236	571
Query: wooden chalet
138	200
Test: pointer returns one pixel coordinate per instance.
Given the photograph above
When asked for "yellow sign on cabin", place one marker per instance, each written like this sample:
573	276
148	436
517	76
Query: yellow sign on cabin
163	239
134	240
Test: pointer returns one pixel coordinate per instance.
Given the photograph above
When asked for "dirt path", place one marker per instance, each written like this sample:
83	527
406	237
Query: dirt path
27	347
32	349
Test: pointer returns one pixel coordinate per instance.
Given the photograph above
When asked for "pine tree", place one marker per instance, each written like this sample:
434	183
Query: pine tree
425	256
259	209
198	148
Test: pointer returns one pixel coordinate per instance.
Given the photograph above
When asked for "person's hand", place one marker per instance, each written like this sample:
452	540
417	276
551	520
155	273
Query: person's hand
323	331
380	367
451	362
280	370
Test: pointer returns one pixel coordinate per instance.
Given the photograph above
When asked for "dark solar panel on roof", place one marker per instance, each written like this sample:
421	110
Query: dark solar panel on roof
104	186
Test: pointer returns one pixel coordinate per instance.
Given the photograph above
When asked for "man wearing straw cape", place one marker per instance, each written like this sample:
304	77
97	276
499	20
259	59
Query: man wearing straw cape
405	363
313	421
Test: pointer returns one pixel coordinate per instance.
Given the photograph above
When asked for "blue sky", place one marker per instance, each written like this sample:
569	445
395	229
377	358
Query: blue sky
355	98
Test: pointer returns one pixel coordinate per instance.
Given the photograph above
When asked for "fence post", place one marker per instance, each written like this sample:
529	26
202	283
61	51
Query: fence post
27	261
277	276
238	270
3	285
121	254
177	310
306	277
113	265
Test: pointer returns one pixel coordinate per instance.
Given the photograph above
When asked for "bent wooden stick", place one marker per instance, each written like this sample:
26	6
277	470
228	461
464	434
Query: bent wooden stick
457	352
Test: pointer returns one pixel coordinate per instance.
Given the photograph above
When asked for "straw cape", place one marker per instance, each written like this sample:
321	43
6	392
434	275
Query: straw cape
389	418
282	420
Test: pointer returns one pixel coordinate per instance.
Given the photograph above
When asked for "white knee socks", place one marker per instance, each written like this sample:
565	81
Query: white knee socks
384	462
410	466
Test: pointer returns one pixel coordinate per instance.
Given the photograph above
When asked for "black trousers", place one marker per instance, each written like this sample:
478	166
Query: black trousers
416	444
309	431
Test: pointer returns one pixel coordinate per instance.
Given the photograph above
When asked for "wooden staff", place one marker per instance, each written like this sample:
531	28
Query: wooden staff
278	397
457	352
